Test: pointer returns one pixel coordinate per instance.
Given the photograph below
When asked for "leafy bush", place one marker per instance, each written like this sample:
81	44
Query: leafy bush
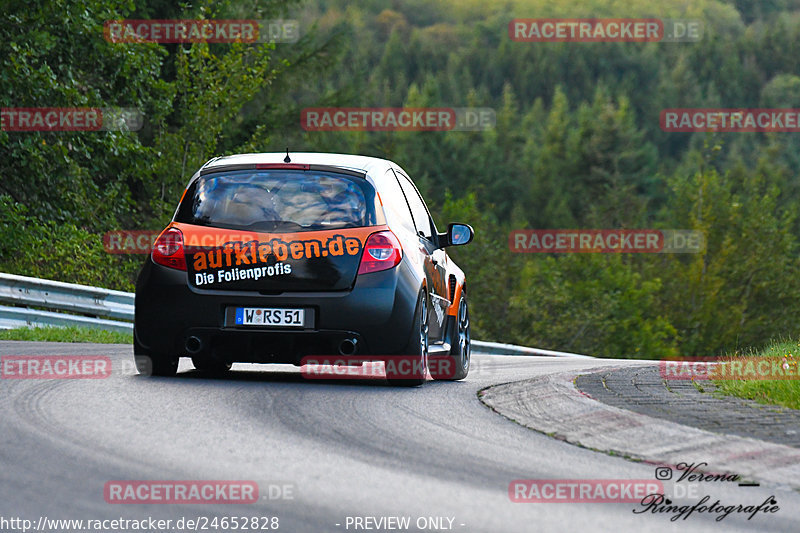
59	251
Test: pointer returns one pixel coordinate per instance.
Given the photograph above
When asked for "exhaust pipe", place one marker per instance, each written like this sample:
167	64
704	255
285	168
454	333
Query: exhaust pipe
348	346
194	345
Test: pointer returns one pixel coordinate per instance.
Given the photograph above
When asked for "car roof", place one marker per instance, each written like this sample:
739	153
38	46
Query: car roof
372	166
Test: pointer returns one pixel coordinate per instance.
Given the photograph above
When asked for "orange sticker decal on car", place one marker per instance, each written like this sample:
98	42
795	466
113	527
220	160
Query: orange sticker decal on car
257	253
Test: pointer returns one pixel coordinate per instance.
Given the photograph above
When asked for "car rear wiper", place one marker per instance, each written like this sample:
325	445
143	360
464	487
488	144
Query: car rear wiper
272	225
335	225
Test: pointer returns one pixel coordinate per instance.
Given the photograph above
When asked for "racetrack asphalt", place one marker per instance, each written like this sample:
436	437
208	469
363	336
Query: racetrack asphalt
344	448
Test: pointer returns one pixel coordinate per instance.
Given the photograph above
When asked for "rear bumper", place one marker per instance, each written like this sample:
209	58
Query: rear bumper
377	313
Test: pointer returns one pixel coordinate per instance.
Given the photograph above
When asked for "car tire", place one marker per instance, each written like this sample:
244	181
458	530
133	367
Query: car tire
417	347
148	365
460	350
208	365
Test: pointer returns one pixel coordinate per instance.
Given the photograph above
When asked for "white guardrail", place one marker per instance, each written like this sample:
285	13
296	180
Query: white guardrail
499	348
34	301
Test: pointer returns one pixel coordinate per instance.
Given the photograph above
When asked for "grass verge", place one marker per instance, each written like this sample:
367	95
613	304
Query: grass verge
66	334
785	392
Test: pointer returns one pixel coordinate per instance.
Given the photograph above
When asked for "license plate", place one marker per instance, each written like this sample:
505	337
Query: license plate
265	316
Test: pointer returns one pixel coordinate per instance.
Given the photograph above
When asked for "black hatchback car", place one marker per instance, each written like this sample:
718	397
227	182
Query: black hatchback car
273	257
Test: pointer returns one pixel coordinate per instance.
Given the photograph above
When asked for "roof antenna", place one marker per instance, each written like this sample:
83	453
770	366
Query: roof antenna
287	159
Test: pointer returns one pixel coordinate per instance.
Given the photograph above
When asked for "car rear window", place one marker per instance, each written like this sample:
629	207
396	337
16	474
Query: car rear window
278	201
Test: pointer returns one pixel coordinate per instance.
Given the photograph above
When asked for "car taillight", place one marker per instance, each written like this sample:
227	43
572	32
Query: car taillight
168	249
381	252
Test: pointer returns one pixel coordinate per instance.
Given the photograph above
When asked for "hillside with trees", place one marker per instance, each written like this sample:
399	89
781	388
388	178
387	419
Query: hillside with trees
577	144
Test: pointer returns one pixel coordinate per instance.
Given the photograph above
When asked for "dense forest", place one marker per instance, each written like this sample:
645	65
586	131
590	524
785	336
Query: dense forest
577	144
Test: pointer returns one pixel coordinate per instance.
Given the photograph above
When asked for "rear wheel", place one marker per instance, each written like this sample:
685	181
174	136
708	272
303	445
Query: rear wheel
149	365
415	373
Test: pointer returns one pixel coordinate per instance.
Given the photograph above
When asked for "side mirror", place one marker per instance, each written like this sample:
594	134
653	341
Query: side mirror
459	235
